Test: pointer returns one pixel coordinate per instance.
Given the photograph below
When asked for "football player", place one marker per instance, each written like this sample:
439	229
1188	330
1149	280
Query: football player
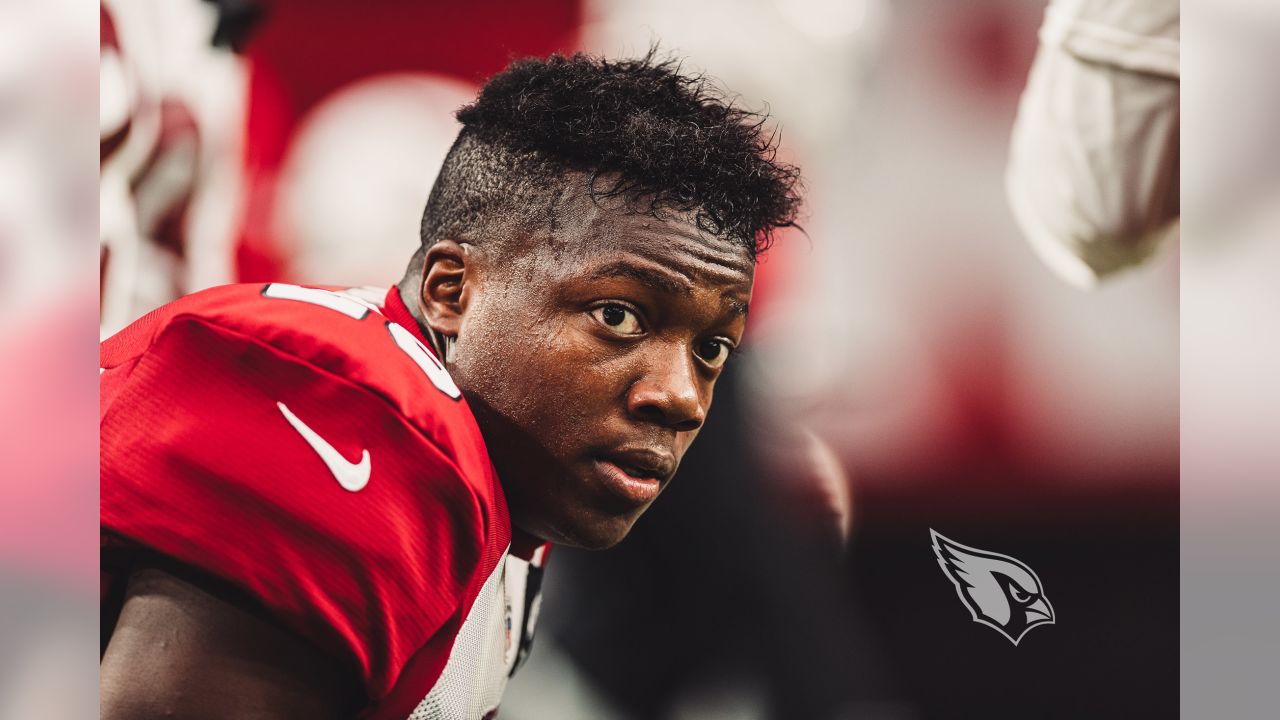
319	502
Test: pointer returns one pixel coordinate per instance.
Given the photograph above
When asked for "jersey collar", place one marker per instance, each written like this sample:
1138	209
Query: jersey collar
397	312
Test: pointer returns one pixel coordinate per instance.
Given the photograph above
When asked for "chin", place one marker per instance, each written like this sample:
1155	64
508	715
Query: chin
604	541
595	533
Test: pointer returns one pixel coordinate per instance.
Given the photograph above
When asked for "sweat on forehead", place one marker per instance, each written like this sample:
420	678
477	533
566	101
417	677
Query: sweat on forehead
576	228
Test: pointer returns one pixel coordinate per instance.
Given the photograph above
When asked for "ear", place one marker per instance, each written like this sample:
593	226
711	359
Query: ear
444	286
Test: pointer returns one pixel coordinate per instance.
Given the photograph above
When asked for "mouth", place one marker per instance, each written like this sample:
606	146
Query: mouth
635	476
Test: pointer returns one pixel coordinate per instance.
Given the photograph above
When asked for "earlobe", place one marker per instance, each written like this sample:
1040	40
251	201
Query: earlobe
444	276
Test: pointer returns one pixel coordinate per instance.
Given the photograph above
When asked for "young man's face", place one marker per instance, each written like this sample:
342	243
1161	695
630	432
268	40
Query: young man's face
589	363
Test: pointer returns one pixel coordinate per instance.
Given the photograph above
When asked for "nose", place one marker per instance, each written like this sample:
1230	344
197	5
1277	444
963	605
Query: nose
668	393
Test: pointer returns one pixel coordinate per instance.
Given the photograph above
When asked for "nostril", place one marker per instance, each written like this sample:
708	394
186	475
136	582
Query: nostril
651	413
667	416
687	425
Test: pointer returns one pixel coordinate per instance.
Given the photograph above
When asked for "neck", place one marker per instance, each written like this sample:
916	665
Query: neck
410	289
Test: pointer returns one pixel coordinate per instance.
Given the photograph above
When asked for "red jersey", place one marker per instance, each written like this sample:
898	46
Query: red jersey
306	446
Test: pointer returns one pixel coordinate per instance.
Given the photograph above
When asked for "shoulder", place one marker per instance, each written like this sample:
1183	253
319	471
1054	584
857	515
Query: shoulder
274	335
309	451
332	330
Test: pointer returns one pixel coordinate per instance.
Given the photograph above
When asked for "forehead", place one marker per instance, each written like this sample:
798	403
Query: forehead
592	236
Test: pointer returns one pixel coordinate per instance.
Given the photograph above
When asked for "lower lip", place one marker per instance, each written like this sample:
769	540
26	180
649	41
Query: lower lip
639	491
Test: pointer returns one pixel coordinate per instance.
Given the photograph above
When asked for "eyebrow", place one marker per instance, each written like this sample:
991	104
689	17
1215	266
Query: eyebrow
653	278
658	280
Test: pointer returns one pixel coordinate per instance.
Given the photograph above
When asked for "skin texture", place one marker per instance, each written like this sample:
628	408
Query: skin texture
598	339
185	647
558	383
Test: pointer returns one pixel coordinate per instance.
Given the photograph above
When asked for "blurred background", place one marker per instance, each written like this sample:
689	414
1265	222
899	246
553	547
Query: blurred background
911	363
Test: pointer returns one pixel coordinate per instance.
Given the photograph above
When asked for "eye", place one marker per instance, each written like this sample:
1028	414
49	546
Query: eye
618	319
714	352
1019	595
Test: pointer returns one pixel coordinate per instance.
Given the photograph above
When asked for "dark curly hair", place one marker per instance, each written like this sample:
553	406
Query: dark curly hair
642	130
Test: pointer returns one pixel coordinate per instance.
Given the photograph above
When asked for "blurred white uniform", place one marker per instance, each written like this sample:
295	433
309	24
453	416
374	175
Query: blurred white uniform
1093	169
171	113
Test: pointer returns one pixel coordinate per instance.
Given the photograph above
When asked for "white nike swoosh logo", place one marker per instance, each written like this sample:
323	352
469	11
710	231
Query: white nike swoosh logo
351	476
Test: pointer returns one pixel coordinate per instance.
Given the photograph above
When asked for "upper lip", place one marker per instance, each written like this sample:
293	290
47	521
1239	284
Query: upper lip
642	462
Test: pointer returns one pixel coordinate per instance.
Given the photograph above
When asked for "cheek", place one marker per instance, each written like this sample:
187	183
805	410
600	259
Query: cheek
574	387
492	346
542	373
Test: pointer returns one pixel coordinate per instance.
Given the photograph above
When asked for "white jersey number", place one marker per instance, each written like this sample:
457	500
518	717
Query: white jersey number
358	309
